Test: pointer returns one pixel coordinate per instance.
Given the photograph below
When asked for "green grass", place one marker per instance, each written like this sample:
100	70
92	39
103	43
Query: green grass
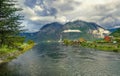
7	54
103	46
4	50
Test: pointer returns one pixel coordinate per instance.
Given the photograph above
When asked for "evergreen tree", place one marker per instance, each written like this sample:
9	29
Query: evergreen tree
9	22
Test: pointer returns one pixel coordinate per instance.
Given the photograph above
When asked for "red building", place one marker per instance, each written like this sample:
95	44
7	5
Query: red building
107	38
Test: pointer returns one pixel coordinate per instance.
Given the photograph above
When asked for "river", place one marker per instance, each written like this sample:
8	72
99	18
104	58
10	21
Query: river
54	59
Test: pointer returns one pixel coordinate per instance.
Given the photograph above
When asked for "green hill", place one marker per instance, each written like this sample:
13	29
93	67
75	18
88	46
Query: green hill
116	33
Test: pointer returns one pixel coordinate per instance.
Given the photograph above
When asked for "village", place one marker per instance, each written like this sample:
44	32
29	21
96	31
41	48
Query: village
108	43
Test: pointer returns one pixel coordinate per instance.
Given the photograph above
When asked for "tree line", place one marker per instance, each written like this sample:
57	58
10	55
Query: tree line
10	22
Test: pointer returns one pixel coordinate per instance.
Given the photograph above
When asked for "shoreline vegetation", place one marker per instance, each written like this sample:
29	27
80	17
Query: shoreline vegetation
102	44
7	54
11	43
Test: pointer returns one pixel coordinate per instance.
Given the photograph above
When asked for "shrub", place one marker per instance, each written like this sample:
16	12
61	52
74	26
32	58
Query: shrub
30	41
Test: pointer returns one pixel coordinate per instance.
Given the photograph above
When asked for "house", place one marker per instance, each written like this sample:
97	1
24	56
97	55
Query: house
107	38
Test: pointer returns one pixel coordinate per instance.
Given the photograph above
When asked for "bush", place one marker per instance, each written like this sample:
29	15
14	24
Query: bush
67	42
30	41
20	49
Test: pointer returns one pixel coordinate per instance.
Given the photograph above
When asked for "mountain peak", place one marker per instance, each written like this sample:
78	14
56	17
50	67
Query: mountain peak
71	30
54	24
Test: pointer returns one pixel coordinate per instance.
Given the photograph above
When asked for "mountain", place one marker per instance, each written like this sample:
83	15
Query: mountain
88	30
116	33
50	32
71	30
114	29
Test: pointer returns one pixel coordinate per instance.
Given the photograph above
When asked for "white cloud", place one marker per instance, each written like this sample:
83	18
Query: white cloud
38	8
61	19
46	11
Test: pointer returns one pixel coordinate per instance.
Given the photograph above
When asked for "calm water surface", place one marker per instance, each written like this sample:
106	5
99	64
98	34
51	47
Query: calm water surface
53	59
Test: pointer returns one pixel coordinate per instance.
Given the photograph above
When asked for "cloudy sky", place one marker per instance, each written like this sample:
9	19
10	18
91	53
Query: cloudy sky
39	12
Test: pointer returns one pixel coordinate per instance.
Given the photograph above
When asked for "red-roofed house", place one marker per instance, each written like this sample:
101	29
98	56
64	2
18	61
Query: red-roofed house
107	38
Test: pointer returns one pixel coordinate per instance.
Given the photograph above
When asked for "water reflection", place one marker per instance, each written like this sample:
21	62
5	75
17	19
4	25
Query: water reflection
54	59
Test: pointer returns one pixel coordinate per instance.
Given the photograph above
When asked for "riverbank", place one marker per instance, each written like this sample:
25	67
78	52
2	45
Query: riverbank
7	55
103	46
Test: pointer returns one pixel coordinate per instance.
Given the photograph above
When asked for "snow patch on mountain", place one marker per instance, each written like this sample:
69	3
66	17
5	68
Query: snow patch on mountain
69	30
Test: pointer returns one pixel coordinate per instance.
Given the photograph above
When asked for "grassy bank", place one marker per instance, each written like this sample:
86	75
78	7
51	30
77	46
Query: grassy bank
103	46
7	54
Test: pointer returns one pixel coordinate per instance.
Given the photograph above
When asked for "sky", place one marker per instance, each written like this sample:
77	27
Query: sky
37	13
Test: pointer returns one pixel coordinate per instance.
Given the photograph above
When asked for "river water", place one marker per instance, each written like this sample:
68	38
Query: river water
54	59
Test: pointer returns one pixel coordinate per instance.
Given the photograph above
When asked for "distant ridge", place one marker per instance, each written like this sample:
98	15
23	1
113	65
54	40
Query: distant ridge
53	31
116	33
88	30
